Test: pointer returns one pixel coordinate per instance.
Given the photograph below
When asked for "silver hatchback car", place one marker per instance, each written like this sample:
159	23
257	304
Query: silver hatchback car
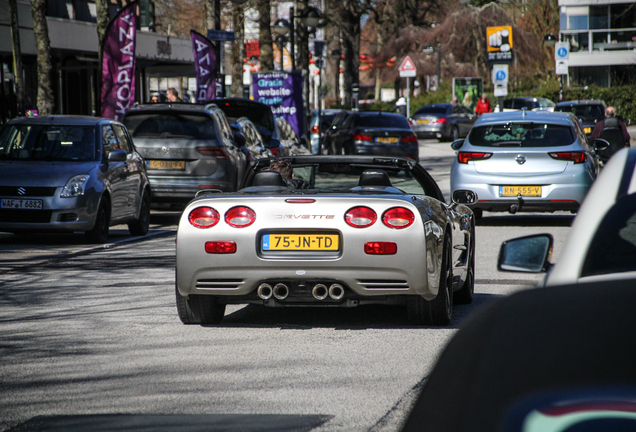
524	161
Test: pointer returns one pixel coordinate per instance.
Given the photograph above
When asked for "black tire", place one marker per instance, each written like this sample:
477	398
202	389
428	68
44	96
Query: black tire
140	226
439	311
454	135
199	309
99	233
467	292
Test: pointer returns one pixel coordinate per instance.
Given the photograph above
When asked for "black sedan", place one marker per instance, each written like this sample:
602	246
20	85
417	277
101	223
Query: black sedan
587	111
375	133
71	173
444	121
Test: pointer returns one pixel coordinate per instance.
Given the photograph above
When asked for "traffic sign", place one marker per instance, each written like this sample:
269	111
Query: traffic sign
221	35
501	90
500	74
407	68
562	67
561	51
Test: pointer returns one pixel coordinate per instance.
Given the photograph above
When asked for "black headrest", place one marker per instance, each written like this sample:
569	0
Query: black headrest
268	178
374	177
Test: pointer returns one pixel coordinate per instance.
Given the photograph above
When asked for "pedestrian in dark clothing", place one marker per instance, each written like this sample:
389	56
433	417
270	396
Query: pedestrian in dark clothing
610	121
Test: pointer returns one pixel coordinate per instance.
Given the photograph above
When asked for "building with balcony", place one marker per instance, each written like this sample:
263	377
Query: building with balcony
602	37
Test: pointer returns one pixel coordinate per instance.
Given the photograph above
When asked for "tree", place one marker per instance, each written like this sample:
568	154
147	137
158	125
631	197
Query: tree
43	47
238	51
265	34
17	55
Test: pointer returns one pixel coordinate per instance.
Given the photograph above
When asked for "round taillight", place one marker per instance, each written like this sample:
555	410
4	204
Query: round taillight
204	217
398	218
360	217
240	217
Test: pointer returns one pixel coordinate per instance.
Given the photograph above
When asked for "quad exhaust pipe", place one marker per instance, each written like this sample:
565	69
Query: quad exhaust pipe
320	292
336	291
265	291
281	291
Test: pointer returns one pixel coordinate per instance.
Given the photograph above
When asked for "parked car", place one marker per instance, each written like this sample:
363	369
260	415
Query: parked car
525	161
444	121
375	133
289	139
71	173
529	103
587	111
332	129
316	130
186	148
550	359
253	140
259	114
602	242
369	230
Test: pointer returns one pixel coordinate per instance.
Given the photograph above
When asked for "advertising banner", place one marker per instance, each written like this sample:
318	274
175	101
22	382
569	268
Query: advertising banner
499	44
118	64
205	67
283	91
468	91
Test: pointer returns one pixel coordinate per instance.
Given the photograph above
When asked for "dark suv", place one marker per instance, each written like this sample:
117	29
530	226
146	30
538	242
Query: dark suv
587	111
186	148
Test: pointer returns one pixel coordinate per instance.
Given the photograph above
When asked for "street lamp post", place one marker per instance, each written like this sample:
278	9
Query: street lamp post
281	29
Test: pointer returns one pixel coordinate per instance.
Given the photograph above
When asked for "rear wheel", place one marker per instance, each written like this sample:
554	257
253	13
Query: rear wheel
437	312
466	294
199	309
99	233
140	226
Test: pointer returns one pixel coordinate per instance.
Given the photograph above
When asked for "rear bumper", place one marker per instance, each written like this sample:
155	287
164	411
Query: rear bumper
182	190
411	151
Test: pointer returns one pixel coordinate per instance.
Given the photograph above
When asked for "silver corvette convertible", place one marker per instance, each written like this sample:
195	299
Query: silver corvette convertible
360	230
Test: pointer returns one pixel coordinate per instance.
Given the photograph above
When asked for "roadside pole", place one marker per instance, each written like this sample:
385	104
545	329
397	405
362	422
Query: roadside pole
407	69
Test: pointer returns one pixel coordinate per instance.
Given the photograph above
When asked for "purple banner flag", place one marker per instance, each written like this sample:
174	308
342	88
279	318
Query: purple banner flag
283	91
205	66
118	63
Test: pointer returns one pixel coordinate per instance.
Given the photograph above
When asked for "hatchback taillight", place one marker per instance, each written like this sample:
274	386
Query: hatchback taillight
576	157
398	218
209	151
360	217
204	217
465	157
314	129
240	217
359	136
409	139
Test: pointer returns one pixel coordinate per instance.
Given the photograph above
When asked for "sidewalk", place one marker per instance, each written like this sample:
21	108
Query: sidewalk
632	131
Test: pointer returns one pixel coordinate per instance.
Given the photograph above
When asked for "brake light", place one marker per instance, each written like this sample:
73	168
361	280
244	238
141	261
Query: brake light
441	120
398	218
359	136
465	157
218	152
204	217
360	217
240	217
220	247
314	129
274	150
380	248
576	157
409	139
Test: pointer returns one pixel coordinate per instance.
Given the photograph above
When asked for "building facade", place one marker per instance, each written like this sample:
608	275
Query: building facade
602	37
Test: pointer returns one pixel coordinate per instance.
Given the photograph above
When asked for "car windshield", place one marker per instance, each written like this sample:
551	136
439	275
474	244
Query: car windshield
584	112
521	135
48	142
432	110
543	103
382	121
170	125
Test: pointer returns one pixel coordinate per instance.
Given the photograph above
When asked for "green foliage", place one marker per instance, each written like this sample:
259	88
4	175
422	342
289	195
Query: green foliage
443	95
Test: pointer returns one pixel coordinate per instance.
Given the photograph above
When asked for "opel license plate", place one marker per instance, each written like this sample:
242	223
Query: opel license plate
507	191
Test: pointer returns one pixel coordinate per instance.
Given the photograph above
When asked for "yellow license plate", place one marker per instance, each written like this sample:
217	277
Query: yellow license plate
166	165
301	242
534	191
422	121
587	130
391	140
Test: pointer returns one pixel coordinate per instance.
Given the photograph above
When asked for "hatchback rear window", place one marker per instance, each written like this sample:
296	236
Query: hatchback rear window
382	121
521	135
170	126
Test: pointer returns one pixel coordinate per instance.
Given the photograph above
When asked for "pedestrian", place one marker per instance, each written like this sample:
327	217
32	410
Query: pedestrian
154	98
284	167
611	121
454	100
483	105
173	95
400	106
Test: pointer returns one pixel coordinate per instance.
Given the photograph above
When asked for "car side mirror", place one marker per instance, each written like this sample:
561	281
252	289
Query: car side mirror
117	155
464	197
529	254
457	144
601	144
239	138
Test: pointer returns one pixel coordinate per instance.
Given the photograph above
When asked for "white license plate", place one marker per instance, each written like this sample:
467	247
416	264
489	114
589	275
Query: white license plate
29	204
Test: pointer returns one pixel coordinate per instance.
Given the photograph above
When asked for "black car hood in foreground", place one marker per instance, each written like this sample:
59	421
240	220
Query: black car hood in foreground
40	173
538	354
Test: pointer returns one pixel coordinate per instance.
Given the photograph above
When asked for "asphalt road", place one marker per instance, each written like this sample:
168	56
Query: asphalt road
90	340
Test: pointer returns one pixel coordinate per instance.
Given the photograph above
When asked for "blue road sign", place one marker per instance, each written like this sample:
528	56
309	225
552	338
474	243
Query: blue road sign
221	35
562	52
500	75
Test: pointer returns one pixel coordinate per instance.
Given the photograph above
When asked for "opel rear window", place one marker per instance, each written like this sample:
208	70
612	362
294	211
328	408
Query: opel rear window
521	135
